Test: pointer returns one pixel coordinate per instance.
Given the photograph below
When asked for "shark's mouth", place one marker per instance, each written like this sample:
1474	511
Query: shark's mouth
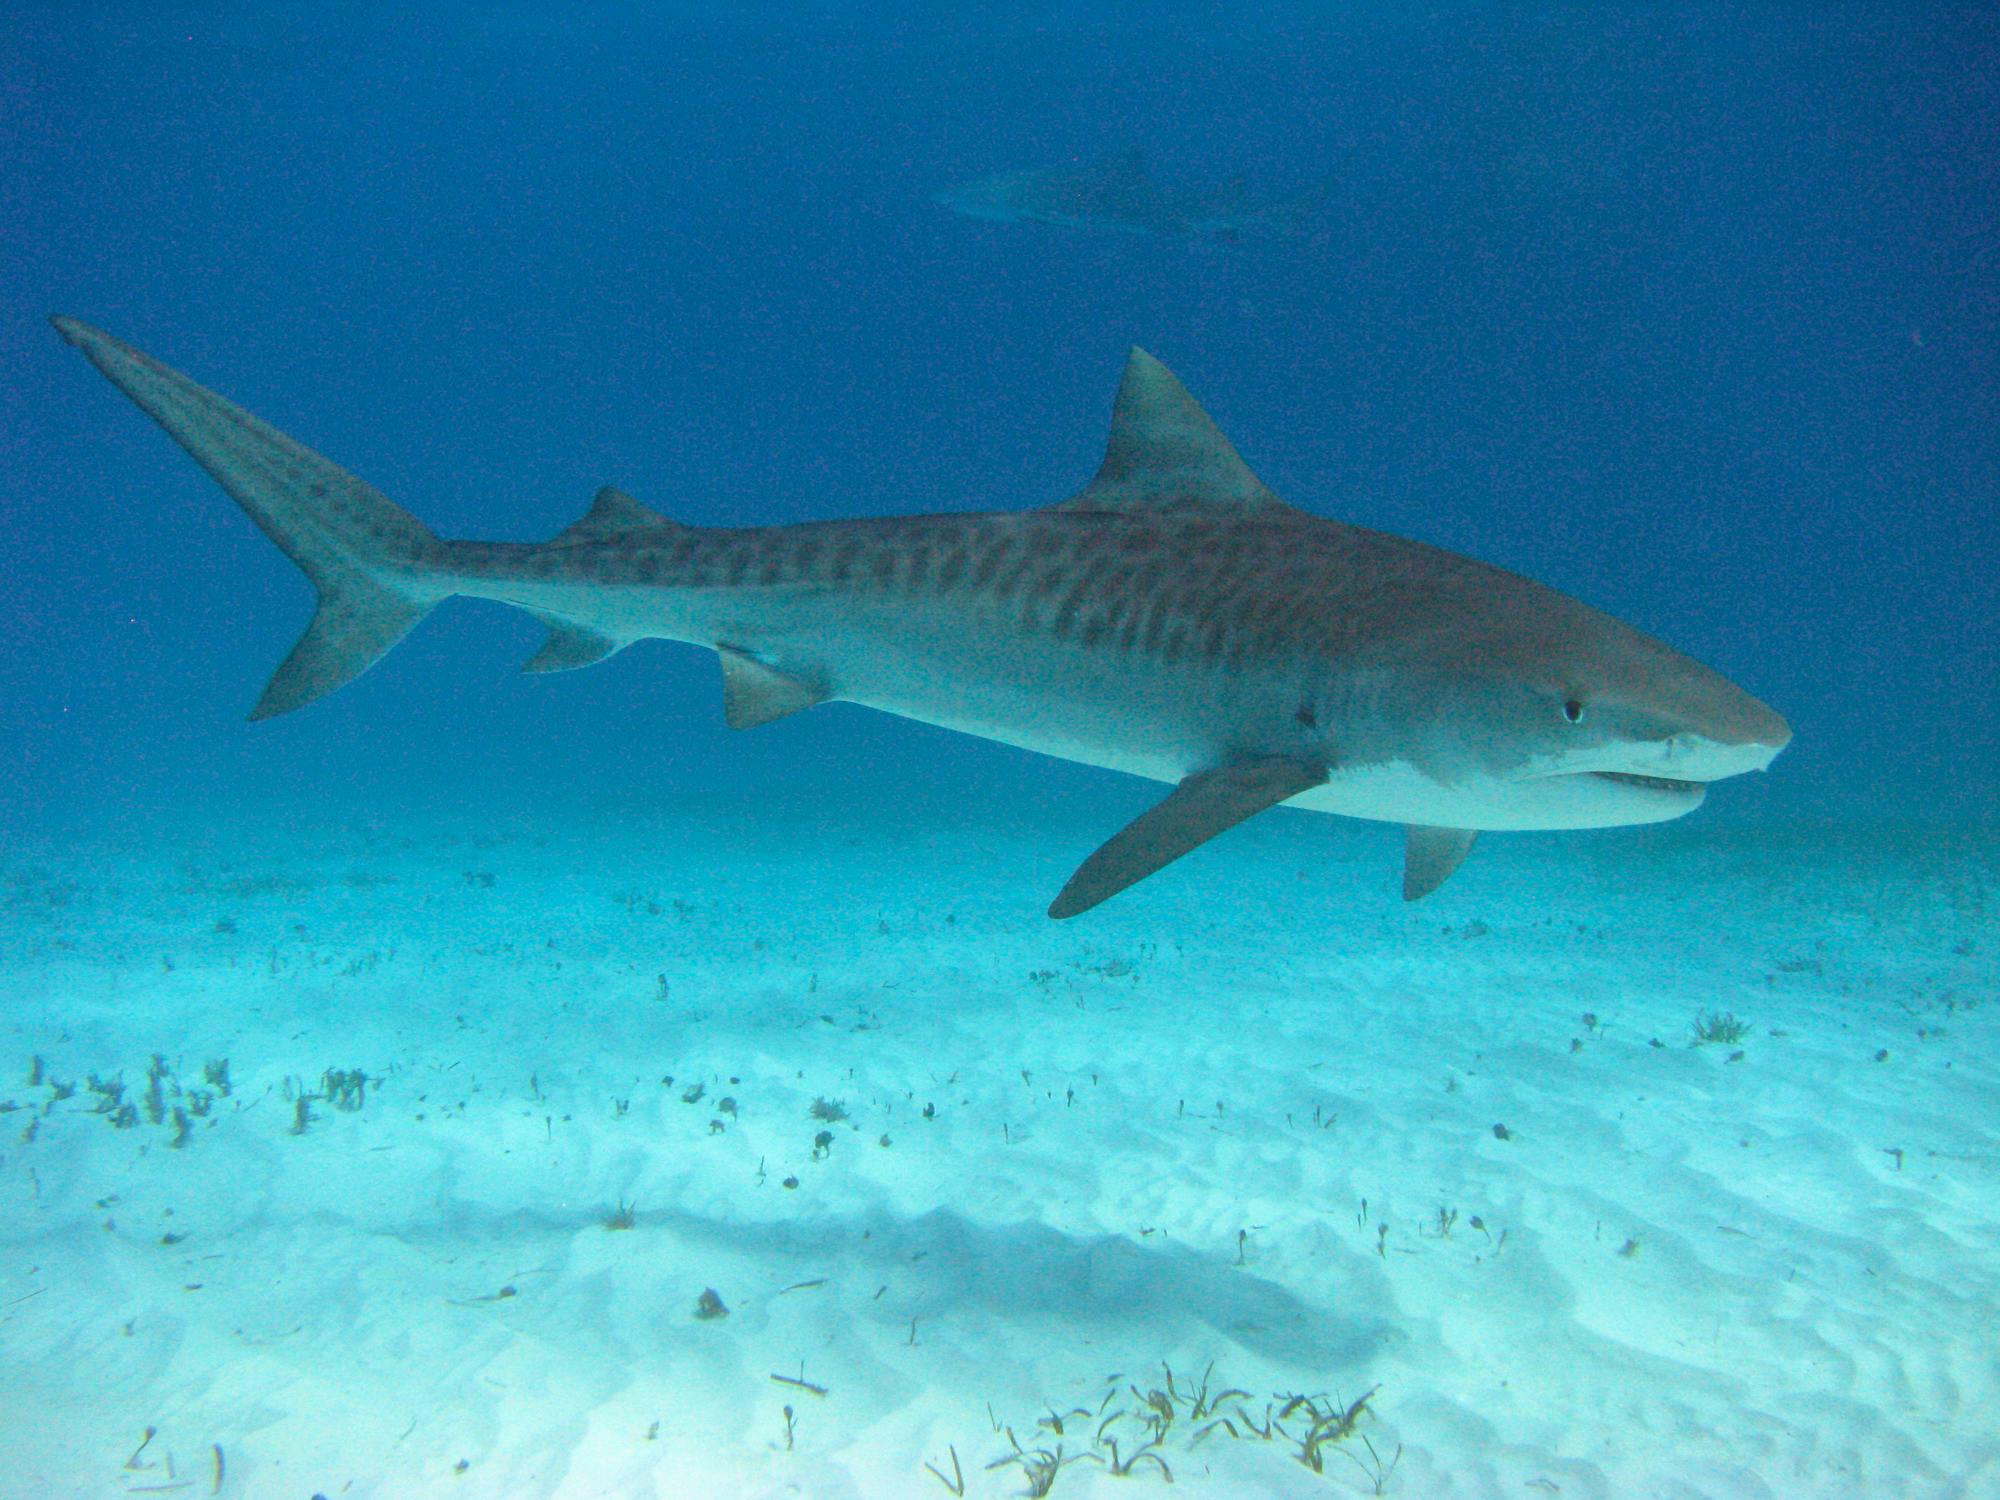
1651	783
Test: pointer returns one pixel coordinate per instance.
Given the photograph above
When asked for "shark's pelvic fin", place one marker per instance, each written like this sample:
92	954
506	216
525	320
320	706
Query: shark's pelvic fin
612	514
754	693
1430	855
570	646
367	556
1165	452
1196	811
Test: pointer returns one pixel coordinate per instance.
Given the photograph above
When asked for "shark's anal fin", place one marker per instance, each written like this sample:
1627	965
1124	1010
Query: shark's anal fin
753	693
1430	855
1196	811
570	646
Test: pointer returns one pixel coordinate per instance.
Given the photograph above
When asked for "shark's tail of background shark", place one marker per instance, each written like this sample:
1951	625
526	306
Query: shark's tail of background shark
373	563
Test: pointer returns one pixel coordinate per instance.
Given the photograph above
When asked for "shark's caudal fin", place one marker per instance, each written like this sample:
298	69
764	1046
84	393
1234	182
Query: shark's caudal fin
367	556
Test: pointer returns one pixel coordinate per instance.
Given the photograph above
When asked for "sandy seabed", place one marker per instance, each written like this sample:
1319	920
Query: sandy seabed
499	1107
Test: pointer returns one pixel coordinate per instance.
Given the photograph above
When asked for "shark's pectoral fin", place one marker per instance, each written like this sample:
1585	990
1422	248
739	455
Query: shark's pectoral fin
1195	812
754	693
570	646
1430	855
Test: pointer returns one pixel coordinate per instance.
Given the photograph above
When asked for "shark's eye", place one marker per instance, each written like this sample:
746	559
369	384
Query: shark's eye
1573	710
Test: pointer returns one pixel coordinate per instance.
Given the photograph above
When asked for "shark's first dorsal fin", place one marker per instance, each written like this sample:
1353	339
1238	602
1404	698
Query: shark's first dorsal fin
1166	453
613	513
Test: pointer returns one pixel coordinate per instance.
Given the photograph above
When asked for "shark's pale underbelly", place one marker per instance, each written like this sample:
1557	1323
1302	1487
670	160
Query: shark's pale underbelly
968	671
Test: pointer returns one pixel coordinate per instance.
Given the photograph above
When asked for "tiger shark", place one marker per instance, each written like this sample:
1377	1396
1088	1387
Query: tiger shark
1120	194
1175	620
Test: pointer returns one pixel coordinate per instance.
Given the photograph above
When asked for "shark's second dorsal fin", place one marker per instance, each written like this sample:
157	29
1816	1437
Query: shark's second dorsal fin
613	513
1166	453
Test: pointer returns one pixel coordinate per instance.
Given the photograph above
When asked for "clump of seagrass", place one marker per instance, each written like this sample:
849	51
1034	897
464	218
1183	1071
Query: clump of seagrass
1329	1425
1719	1026
1134	1431
344	1088
956	1484
1039	1466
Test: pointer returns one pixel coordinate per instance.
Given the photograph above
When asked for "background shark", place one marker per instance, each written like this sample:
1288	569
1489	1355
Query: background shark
1175	620
1119	194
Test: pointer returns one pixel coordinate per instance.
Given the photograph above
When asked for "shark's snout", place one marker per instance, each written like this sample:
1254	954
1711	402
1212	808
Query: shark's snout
1733	717
1769	729
1696	757
1700	718
1660	744
1713	747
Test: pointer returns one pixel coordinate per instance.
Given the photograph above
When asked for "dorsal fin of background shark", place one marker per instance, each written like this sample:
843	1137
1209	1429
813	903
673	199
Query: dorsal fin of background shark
1175	620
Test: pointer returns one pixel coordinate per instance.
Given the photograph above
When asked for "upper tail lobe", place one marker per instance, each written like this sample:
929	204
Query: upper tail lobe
373	563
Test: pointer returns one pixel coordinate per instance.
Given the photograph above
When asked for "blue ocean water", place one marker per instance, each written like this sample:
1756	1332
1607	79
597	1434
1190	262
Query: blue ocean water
1690	311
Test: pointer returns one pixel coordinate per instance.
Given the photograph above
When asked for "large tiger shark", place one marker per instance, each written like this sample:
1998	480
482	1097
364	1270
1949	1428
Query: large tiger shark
1175	620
